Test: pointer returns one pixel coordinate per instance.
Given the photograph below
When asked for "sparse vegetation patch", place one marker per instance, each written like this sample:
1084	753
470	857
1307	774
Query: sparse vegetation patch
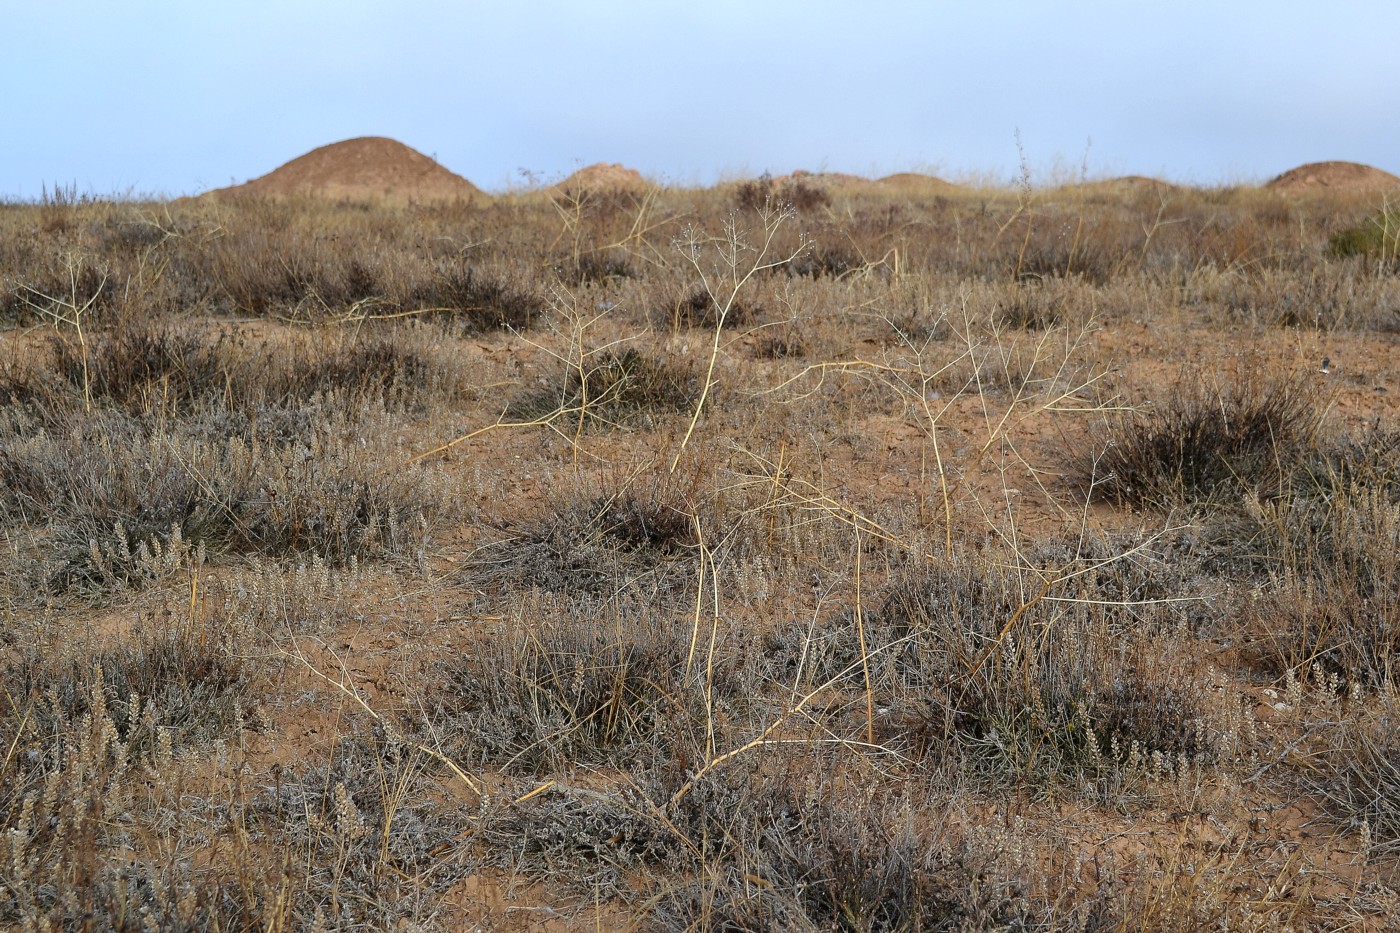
807	554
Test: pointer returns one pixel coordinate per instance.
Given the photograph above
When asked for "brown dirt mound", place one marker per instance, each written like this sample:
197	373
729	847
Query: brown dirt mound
915	183
1334	176
1136	182
603	176
1124	185
370	168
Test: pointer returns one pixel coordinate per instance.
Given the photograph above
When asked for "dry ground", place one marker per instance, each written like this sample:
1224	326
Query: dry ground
773	557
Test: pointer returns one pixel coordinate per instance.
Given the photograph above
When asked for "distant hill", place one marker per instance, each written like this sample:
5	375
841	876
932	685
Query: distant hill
370	168
1334	176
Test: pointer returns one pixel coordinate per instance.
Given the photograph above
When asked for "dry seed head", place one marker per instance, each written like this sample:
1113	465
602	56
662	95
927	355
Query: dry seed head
349	822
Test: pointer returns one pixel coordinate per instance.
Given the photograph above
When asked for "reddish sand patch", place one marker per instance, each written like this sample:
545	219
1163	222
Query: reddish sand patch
603	176
370	168
1334	176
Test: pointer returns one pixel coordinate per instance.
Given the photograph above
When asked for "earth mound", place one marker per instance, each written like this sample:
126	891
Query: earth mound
1122	186
370	168
1136	182
1334	176
915	183
603	176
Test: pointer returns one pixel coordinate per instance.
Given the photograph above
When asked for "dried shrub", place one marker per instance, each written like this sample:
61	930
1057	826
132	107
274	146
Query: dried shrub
1208	442
377	837
1329	547
698	309
471	301
615	389
595	267
574	689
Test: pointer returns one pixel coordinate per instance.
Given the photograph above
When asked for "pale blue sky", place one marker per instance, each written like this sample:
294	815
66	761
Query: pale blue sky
177	97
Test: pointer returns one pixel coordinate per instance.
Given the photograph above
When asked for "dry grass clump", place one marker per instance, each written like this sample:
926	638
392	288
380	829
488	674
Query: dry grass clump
1072	671
372	843
590	686
90	766
1209	443
103	512
616	388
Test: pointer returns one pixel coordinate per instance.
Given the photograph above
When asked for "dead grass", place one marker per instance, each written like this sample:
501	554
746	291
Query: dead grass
848	560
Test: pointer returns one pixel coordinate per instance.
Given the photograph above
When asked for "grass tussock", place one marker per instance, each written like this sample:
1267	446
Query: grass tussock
574	690
1072	674
625	388
1209	443
92	747
634	534
112	514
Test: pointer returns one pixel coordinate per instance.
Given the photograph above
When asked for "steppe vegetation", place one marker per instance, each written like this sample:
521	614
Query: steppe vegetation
768	557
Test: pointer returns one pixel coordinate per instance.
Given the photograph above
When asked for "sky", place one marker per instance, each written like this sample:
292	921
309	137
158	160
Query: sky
170	98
